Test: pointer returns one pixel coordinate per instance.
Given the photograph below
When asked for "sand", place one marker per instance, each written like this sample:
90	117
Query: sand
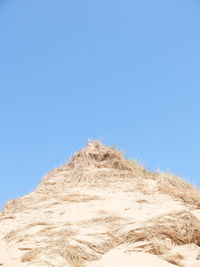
119	258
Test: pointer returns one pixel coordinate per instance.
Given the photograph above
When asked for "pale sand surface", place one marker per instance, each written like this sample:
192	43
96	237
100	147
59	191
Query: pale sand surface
119	258
10	258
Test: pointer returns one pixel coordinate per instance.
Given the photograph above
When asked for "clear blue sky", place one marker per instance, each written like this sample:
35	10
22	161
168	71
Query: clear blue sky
125	72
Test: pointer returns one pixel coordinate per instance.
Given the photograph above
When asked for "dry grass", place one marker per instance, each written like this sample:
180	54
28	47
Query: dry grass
47	232
101	247
21	204
14	206
8	218
12	235
20	235
31	255
139	169
74	254
164	232
178	188
36	224
77	198
175	259
169	184
74	251
95	155
141	201
198	257
104	220
25	248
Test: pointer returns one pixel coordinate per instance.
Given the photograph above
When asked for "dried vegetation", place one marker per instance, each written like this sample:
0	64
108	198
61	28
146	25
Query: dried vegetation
31	255
178	188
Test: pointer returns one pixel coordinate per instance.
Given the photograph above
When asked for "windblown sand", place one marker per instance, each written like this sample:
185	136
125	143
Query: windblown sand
102	210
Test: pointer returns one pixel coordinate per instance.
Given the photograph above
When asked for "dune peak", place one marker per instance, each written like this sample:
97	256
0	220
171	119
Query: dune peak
96	155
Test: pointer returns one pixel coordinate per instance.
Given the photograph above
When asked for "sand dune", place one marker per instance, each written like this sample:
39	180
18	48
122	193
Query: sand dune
102	210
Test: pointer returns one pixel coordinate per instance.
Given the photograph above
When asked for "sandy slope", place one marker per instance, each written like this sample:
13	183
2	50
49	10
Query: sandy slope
97	211
9	258
118	258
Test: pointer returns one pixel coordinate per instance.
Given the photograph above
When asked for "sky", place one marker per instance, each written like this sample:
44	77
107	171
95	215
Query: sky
126	73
